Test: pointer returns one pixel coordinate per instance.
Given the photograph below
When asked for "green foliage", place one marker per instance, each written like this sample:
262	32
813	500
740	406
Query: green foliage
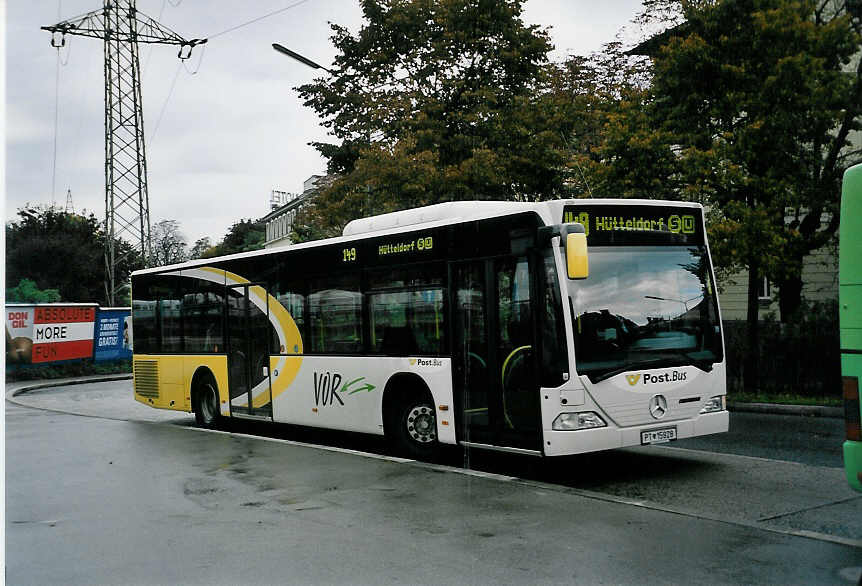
65	251
783	399
759	97
200	247
243	236
602	104
28	292
74	369
430	102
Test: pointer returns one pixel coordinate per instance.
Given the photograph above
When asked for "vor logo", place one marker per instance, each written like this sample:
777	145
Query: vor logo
633	379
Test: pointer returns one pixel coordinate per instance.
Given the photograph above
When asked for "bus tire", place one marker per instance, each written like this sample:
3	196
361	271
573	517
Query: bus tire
412	427
206	403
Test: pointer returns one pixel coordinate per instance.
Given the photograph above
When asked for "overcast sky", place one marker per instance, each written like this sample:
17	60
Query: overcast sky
224	128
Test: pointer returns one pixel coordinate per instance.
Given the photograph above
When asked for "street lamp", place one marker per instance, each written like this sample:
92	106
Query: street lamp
300	58
684	303
306	61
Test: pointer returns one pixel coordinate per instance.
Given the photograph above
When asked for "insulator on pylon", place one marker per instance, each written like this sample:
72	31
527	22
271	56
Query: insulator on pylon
55	42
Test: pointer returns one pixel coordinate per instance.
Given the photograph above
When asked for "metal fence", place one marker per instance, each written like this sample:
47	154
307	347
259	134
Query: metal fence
801	358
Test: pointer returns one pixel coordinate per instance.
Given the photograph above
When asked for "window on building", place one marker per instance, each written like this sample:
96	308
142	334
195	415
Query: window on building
764	291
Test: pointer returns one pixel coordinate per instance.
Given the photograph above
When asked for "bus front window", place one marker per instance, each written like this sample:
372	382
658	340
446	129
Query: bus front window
645	307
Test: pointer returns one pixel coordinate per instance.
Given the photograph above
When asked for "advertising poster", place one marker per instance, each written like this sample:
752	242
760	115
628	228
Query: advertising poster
62	332
19	333
113	340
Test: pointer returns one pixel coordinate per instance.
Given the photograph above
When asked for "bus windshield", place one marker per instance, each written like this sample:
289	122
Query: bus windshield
645	307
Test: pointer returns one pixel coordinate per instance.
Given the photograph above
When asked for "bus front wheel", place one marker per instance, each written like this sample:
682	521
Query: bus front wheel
413	427
206	404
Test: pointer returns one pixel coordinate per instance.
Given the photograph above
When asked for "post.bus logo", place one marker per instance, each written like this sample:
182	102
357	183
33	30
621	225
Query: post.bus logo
665	377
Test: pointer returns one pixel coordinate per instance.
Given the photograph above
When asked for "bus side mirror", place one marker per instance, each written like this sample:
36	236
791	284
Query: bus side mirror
577	263
574	238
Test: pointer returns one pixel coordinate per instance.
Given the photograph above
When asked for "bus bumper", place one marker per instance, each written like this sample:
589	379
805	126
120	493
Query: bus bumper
562	443
853	464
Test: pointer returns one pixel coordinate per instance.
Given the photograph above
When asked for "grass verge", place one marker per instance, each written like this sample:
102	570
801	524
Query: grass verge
783	399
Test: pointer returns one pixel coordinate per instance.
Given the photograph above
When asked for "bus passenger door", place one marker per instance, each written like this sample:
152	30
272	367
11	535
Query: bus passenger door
248	351
495	375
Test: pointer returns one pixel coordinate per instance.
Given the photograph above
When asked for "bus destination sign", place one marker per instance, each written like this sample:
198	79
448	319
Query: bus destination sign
390	249
637	224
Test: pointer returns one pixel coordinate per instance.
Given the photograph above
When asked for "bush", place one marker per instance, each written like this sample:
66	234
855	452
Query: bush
67	370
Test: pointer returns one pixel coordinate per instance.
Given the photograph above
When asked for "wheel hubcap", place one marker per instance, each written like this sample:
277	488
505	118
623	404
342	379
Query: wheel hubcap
209	403
421	424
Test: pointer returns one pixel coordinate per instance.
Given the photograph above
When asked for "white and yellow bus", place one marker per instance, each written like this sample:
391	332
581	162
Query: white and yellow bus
548	328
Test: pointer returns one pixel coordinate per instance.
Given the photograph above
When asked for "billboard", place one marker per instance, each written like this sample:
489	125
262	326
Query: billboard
63	332
49	333
19	333
113	339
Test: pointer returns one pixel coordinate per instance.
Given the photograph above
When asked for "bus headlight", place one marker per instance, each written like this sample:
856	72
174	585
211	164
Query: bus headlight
572	421
714	404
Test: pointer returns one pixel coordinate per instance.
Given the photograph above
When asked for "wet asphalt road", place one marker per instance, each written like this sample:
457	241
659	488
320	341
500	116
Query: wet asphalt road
94	500
808	440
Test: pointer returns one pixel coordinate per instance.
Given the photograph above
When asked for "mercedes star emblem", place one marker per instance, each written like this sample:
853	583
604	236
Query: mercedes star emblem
658	406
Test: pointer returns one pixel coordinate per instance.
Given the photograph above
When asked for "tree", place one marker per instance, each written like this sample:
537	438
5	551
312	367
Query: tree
62	251
434	101
168	243
28	292
761	98
201	246
602	102
243	236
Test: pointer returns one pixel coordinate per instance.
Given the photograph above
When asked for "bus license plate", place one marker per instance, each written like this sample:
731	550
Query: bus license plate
657	436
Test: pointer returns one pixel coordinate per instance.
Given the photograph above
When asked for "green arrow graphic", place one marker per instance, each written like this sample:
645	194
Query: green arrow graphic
366	387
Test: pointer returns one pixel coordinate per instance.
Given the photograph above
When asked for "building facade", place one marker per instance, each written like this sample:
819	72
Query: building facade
279	222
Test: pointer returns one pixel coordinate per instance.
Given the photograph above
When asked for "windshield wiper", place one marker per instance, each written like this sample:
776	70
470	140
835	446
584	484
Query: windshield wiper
704	364
682	359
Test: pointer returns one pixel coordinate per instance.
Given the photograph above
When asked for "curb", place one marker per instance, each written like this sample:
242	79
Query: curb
27	386
776	409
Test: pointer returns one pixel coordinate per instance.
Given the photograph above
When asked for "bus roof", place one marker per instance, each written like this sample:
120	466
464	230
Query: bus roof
441	214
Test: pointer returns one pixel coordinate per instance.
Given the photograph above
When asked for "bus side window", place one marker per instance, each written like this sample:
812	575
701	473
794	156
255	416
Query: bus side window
203	310
335	315
170	314
407	322
292	298
405	309
144	322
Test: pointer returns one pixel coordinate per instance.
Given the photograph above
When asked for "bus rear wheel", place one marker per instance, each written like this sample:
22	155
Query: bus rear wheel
206	404
413	428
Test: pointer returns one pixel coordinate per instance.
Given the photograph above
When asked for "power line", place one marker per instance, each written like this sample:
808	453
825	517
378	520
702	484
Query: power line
168	99
150	50
56	126
258	19
127	217
200	61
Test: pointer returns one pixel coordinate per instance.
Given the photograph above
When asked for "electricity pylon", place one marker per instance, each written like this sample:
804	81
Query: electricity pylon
127	206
